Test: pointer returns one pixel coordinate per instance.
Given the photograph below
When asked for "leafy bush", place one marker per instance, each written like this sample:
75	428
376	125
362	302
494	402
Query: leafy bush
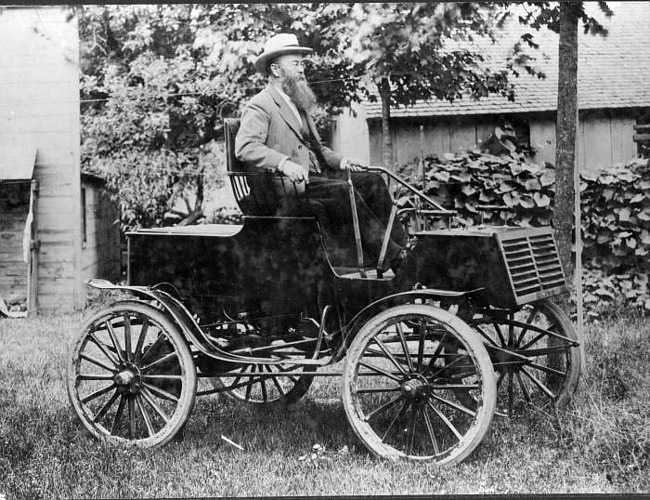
467	181
615	216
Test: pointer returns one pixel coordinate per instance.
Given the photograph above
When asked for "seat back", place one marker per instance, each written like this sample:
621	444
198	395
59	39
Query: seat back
258	193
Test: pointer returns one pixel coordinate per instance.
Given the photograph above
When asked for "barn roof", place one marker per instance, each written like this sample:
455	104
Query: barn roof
16	161
613	71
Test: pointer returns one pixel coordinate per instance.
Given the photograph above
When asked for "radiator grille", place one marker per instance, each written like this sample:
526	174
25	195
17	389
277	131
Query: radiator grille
534	265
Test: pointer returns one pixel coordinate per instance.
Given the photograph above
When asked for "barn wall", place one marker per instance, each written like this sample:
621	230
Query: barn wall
39	107
100	234
14	205
604	138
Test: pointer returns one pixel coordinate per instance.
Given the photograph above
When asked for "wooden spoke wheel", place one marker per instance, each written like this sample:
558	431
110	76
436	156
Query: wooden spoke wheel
402	379
131	377
535	353
277	384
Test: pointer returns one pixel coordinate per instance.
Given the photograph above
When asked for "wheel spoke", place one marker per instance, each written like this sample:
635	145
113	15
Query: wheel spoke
430	431
276	382
161	392
390	356
386	406
436	354
131	411
145	416
500	379
159	361
118	415
97	362
250	385
380	371
534	341
239	377
141	337
162	376
88	376
422	331
98	393
397	417
376	389
411	432
127	336
497	329
107	405
265	397
454	405
487	337
116	344
523	388
455	387
458	359
103	348
511	395
542	387
149	399
529	321
548	370
446	421
405	348
152	347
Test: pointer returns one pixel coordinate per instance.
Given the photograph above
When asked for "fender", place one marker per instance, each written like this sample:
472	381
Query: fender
188	325
402	298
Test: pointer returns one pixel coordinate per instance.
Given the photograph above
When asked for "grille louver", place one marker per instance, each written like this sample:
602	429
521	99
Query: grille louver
534	265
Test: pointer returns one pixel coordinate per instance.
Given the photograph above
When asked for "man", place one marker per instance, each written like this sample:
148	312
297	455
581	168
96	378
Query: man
277	134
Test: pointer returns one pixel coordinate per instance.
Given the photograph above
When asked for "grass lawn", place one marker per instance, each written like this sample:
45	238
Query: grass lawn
600	443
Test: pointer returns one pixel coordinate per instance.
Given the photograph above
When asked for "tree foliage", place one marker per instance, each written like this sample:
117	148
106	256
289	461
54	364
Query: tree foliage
158	79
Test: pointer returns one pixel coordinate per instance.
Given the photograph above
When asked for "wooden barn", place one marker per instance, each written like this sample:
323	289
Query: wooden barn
613	97
57	227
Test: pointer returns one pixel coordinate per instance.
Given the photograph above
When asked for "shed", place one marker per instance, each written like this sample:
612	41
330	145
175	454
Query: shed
43	255
613	97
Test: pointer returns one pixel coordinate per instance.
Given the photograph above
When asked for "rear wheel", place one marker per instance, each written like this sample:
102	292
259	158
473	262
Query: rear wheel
131	377
535	352
402	379
277	384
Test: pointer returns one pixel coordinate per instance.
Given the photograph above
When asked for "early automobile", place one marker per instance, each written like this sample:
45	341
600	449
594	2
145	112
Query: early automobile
464	328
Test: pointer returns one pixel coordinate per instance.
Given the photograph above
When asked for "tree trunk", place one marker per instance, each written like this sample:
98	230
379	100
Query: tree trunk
565	132
387	149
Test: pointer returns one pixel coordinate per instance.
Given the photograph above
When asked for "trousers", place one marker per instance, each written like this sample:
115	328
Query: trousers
329	200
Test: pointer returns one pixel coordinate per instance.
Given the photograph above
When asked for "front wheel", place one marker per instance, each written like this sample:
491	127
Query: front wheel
131	377
407	377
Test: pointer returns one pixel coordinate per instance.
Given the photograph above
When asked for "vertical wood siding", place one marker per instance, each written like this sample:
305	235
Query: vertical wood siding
39	107
101	248
14	204
604	137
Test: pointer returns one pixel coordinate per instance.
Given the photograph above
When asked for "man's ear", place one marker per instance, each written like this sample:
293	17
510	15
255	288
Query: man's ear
273	69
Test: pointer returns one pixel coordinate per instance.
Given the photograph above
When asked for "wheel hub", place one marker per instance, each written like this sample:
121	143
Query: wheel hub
415	389
127	380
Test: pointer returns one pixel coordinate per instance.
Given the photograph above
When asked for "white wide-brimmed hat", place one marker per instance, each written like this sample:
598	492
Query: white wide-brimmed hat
278	45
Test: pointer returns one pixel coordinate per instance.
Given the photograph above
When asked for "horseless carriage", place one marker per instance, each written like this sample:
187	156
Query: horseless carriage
462	330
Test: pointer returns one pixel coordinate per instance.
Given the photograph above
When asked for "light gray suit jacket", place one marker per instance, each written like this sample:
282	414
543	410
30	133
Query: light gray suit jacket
270	132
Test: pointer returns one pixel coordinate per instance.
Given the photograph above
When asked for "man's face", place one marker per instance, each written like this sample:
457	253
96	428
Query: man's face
290	66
